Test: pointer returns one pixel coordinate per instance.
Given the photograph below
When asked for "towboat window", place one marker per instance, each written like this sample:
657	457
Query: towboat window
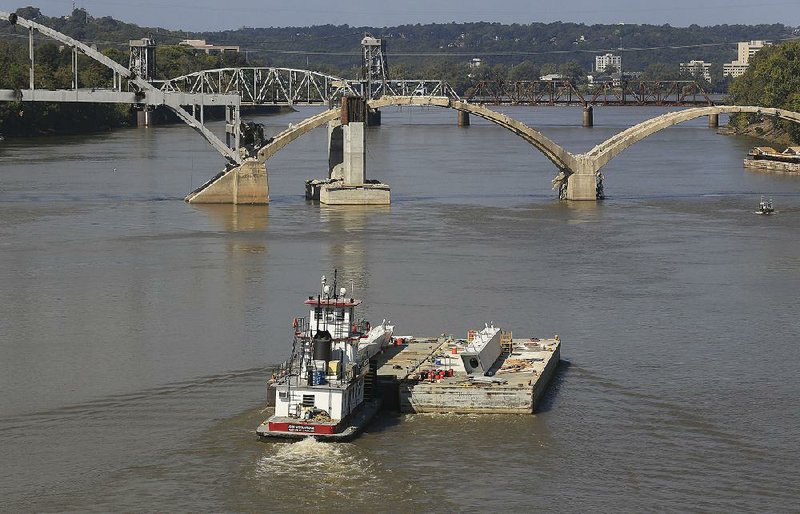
329	314
317	312
340	315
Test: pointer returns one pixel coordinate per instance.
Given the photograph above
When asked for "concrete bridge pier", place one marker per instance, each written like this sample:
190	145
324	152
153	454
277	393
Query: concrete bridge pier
582	187
347	182
588	116
335	150
144	117
463	119
243	184
585	182
713	121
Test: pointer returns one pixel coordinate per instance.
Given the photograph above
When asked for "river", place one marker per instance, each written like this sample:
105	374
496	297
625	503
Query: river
137	331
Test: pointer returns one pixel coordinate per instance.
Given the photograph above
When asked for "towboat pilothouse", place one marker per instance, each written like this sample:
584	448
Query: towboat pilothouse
325	389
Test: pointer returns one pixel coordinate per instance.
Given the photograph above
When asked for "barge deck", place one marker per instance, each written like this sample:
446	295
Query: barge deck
424	374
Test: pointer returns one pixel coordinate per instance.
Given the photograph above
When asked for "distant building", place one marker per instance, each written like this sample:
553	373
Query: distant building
475	62
201	45
746	50
733	69
552	76
601	62
697	69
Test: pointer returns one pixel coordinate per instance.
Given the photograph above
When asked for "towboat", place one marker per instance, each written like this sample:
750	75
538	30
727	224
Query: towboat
765	207
326	388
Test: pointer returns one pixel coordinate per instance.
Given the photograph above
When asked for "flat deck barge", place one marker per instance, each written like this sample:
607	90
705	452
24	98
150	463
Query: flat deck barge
423	374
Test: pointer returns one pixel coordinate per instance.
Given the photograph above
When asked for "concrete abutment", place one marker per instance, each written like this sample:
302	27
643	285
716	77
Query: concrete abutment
243	184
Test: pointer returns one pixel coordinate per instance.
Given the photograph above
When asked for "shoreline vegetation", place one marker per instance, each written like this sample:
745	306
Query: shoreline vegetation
506	52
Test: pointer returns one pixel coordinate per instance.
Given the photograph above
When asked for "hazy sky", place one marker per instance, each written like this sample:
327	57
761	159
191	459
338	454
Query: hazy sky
232	14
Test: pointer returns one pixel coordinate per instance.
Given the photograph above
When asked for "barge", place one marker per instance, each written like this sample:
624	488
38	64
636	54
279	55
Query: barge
342	371
765	158
432	375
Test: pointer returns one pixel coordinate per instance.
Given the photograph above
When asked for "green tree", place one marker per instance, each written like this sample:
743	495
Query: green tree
549	68
772	80
573	71
525	70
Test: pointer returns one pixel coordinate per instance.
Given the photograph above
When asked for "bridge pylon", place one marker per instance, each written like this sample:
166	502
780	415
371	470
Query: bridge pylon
374	71
142	63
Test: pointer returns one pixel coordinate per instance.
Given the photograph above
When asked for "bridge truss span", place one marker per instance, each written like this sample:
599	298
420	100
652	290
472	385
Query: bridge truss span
264	86
565	92
288	86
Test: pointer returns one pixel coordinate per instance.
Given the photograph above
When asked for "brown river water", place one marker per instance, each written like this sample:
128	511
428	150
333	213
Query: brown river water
137	331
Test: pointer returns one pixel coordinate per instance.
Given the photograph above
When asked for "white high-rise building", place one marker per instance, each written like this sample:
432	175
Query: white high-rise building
697	68
601	62
747	49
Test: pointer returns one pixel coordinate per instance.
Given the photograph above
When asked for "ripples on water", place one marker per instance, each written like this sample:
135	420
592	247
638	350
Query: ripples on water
136	332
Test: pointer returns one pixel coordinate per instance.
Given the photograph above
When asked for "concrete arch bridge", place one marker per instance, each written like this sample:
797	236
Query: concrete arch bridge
245	179
578	174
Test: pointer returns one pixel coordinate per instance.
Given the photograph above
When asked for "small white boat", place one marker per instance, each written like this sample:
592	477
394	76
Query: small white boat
765	207
326	388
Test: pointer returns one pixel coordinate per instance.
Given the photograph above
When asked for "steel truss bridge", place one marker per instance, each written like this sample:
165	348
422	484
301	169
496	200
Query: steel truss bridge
552	92
286	86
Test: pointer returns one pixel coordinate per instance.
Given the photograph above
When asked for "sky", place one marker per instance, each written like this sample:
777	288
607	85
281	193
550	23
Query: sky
213	15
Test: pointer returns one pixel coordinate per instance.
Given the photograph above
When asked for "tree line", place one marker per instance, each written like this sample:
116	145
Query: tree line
434	51
53	70
771	80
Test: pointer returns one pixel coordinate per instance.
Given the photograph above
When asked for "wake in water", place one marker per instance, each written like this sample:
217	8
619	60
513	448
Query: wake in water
312	473
308	458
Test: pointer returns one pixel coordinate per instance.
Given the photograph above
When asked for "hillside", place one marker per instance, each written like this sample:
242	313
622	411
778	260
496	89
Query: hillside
337	48
437	51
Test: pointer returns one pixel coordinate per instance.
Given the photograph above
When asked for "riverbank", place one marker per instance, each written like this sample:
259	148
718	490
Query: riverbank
765	130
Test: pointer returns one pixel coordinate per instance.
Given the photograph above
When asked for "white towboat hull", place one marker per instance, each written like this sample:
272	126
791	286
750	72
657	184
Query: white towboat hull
279	427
